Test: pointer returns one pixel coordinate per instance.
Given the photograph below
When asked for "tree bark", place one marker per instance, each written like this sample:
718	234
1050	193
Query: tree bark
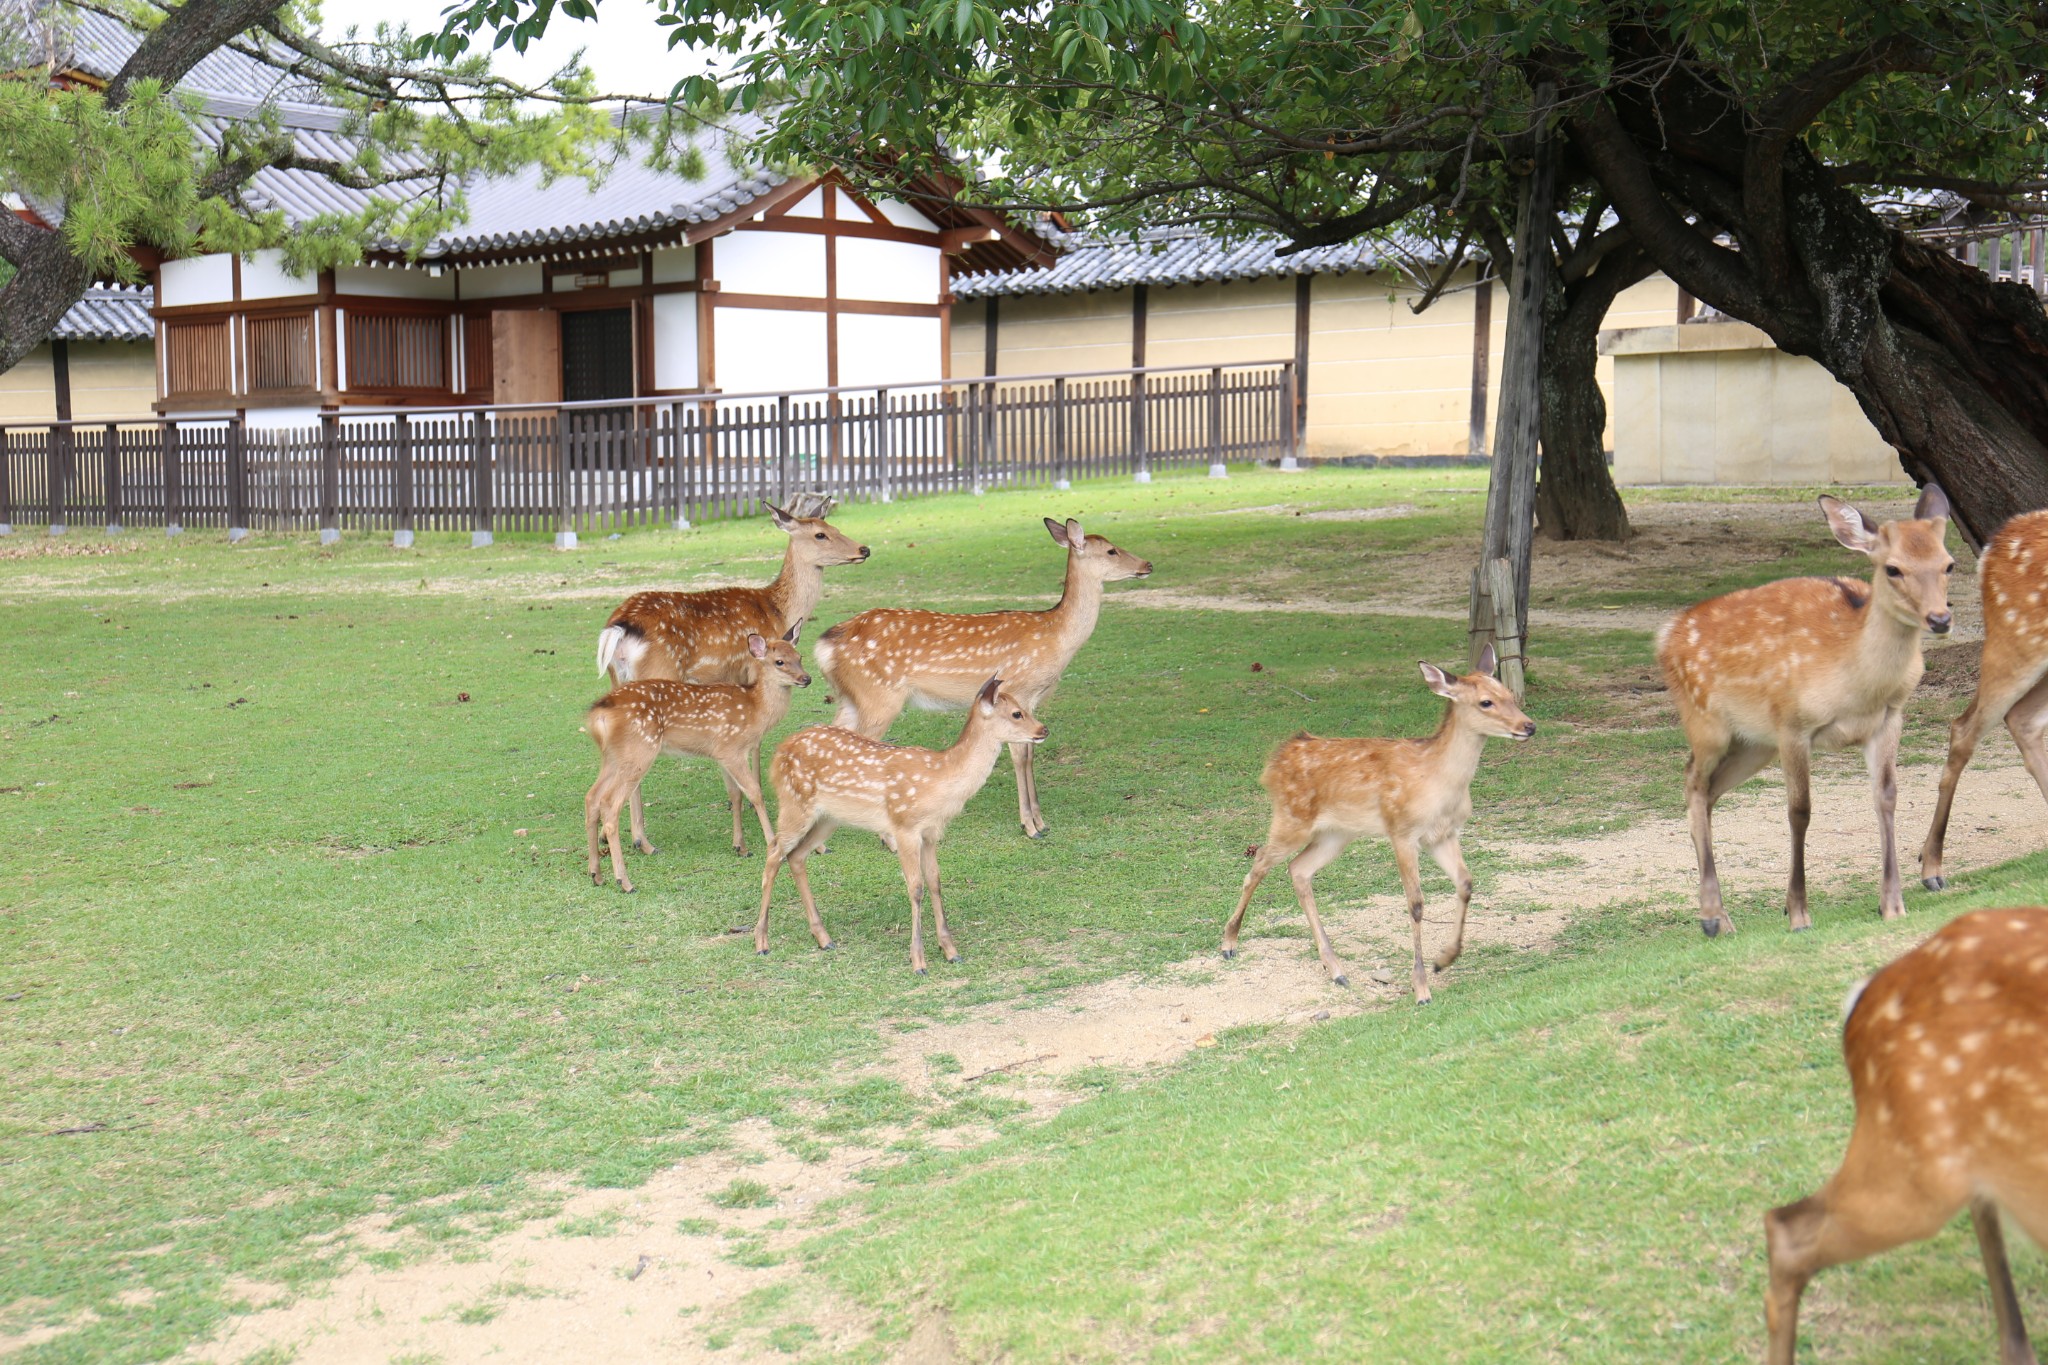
1576	498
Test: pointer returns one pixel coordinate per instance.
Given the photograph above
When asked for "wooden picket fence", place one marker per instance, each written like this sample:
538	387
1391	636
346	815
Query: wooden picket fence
570	468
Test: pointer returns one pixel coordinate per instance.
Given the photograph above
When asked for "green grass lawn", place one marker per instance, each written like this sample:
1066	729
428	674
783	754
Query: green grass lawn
293	926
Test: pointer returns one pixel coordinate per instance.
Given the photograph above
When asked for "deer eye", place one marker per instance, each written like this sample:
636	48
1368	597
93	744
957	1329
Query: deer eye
1486	705
1892	571
1112	554
1949	567
821	535
1016	715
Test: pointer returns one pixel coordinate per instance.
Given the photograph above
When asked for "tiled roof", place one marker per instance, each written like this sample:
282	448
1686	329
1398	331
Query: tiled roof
107	314
1182	256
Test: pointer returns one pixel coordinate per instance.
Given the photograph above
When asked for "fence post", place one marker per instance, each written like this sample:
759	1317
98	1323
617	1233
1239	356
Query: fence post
565	525
1059	435
237	457
1217	469
401	483
6	488
882	443
1141	457
782	454
985	446
1290	440
113	479
482	482
675	434
330	478
174	481
56	456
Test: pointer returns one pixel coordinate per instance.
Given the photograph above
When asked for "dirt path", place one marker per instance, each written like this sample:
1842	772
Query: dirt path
627	1276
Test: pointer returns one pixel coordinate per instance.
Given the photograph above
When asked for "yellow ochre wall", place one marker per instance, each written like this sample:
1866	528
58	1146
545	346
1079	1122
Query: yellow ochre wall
1382	379
109	379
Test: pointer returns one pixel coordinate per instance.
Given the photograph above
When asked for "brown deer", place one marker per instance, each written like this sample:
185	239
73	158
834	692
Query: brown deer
1777	671
1947	1050
2011	576
702	636
1415	793
826	776
880	660
639	722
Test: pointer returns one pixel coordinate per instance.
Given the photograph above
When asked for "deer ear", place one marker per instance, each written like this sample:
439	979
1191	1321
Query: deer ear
987	695
757	646
1933	504
1435	677
782	519
1850	526
1057	531
1075	538
795	629
1489	661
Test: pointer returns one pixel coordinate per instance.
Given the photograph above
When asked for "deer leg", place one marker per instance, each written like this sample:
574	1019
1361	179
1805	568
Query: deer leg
745	783
1451	859
1282	843
615	796
1963	734
1881	755
931	882
1027	791
732	798
909	852
799	868
639	820
797	830
1872	1204
1307	863
1405	858
1796	759
2013	1346
2027	720
1699	811
593	822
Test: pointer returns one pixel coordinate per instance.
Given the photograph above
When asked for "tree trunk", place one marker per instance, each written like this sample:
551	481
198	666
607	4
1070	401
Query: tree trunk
1576	499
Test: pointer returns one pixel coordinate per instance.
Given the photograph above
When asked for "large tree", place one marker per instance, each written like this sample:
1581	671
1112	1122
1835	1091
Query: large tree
1731	140
102	167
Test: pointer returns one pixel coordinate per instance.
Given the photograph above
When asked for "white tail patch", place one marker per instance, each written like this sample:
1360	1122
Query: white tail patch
619	652
825	650
924	701
1855	994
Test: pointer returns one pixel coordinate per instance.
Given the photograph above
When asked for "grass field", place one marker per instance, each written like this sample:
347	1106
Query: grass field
293	928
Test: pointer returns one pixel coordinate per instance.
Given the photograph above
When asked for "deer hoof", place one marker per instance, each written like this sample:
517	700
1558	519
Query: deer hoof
760	952
956	959
1936	883
1229	953
649	849
1711	928
1340	980
921	972
1800	928
1423	1001
627	888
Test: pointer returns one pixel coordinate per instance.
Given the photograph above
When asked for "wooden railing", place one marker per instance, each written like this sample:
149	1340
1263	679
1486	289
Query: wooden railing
581	467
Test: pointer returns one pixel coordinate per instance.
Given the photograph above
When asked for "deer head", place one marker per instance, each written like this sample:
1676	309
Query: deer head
1095	554
1483	701
1913	565
815	541
1012	720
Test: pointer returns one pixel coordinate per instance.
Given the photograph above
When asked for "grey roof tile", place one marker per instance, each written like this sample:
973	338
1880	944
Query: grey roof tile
107	313
1169	256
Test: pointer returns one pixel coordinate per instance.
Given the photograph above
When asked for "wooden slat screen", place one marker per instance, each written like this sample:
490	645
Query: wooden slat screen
281	354
197	358
391	351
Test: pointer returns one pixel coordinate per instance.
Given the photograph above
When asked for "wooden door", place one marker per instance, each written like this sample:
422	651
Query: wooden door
526	356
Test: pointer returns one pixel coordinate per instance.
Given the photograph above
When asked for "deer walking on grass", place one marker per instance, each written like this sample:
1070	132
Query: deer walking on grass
2012	576
1947	1050
1415	793
879	661
1777	671
826	776
724	722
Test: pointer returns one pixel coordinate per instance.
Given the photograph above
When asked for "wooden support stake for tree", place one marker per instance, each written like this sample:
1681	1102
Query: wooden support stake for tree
1507	625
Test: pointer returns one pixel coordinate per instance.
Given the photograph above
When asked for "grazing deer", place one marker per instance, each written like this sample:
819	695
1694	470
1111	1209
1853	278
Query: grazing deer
1775	672
702	636
1416	793
1947	1050
826	776
880	660
2012	575
639	722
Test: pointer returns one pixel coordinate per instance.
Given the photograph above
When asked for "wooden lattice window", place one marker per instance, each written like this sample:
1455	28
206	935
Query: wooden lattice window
476	354
281	354
397	351
197	358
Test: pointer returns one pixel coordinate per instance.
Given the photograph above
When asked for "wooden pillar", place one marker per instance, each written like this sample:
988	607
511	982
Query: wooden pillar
482	481
237	447
1059	434
6	487
61	440
401	483
1482	358
1302	286
1217	469
1140	463
990	350
330	478
111	479
174	485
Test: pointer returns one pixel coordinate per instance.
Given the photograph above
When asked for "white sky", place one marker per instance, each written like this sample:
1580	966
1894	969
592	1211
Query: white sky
624	46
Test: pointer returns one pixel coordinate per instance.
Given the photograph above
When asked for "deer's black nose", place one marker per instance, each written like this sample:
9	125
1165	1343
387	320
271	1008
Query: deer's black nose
865	552
1940	621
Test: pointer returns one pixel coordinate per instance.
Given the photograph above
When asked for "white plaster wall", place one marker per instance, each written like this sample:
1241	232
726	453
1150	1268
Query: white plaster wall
762	350
501	281
675	341
811	205
900	272
879	350
675	264
196	279
394	284
264	277
902	215
784	263
284	419
625	279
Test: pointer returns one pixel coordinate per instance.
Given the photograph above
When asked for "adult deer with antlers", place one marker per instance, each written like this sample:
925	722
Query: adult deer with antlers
1416	793
879	661
1947	1050
826	776
2012	575
637	723
702	636
1777	671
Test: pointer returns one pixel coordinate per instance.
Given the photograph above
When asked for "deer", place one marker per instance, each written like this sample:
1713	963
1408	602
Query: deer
2009	675
1777	671
826	776
1947	1052
1415	793
880	660
702	636
638	722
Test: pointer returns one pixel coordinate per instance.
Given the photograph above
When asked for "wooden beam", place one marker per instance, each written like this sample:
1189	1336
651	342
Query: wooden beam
60	377
954	241
1482	349
1302	285
990	348
1138	306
